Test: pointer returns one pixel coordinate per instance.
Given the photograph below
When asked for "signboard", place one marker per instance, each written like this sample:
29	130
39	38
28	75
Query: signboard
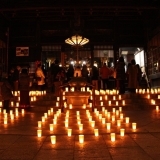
22	51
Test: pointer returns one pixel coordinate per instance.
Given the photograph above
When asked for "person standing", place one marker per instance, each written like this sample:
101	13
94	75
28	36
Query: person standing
24	81
85	73
133	74
95	76
16	78
40	78
120	75
6	92
70	72
104	73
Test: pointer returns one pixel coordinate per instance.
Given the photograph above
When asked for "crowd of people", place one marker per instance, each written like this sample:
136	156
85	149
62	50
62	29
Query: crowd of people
102	78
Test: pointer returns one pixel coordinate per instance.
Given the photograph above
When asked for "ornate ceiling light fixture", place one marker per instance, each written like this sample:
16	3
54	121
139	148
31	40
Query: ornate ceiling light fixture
77	41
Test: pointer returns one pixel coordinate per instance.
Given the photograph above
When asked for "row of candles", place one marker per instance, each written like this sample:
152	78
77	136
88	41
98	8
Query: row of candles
31	93
11	114
151	91
96	132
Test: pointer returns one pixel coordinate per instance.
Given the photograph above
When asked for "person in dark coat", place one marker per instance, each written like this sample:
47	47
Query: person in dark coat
85	72
70	72
95	76
24	81
6	92
16	78
121	75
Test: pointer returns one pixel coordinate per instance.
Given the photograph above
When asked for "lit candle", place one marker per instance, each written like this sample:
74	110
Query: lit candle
4	111
39	132
49	112
121	116
101	103
119	97
43	119
120	109
113	118
12	116
100	116
5	120
52	110
95	110
58	98
77	112
11	112
84	106
80	127
127	119
118	123
57	104
100	98
157	108
22	111
93	124
12	104
51	126
117	112
105	112
45	115
134	125
69	132
0	103
116	103
113	110
79	121
109	103
53	139
17	104
106	97
39	124
114	98
113	137
81	138
54	121
122	131
123	102
96	133
103	120
66	124
108	126
90	105
103	109
70	106
108	114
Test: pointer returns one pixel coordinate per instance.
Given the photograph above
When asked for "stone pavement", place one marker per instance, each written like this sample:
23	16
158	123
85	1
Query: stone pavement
19	141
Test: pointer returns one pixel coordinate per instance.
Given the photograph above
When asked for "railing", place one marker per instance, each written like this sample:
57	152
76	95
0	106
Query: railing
67	85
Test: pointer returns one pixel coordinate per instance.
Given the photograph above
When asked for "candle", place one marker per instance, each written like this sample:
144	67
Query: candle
69	132
5	120
122	131
39	132
108	126
120	109
57	104
100	116
100	98
113	118
4	111
81	138
51	110
109	103
22	111
66	124
43	119
84	106
113	137
54	121
80	127
116	103
11	112
51	126
77	112
118	123
95	110
12	116
17	104
108	114
134	126
157	108
101	104
127	119
39	124
12	104
117	112
93	124
106	97
119	97
105	112
103	120
96	133
58	98
123	102
70	106
121	116
90	105
66	89
53	139
113	110
45	115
